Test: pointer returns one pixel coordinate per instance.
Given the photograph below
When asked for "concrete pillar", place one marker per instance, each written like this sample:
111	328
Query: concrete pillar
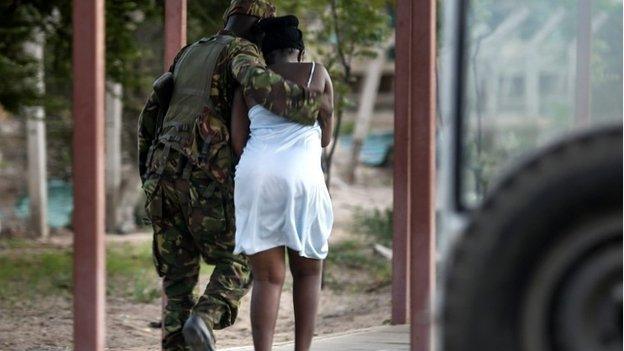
533	62
368	98
531	85
114	108
583	60
36	140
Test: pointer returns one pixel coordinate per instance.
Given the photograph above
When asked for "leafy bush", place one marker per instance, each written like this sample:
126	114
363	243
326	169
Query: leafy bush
376	224
353	266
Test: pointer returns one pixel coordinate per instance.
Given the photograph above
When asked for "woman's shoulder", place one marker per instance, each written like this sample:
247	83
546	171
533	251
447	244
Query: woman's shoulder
322	73
320	69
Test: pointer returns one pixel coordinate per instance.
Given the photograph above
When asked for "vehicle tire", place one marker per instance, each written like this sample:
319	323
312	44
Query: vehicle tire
540	264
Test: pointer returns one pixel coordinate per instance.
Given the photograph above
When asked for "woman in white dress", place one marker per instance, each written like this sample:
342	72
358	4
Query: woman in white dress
282	203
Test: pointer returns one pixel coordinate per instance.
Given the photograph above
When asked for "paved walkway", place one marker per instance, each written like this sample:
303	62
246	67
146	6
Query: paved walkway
386	338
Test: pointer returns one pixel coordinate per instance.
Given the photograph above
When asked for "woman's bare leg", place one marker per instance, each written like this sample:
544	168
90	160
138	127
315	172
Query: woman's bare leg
268	269
306	274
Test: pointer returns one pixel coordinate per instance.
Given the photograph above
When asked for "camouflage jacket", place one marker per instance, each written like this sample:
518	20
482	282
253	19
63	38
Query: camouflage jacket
241	63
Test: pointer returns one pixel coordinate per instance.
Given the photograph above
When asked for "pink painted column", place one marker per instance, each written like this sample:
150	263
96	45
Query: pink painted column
422	91
175	29
175	39
88	175
400	241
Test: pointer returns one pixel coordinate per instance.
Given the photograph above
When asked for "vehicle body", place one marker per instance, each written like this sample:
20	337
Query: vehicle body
531	252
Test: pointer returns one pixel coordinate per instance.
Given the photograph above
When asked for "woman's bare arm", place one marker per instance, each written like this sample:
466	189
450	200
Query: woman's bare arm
326	119
240	123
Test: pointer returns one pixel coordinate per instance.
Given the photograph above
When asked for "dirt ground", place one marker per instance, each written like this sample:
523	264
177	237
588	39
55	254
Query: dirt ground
45	323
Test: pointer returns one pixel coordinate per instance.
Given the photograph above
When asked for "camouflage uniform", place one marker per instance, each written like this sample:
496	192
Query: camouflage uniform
189	184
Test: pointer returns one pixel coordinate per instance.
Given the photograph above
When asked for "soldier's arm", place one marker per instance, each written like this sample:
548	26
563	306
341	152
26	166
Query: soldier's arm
146	131
269	89
240	123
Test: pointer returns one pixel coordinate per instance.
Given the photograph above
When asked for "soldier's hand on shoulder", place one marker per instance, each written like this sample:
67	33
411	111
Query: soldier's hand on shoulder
326	104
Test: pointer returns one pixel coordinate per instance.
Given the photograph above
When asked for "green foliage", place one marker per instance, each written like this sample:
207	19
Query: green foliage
340	31
205	17
490	145
29	269
20	19
347	128
27	273
351	29
16	24
125	51
133	58
352	266
489	157
376	224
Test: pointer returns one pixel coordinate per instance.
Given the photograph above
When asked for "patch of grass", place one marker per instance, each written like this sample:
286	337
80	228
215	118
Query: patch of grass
376	224
130	272
144	290
29	270
18	243
23	275
353	266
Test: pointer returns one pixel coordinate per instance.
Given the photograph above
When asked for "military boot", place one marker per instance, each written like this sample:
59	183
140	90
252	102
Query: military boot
197	335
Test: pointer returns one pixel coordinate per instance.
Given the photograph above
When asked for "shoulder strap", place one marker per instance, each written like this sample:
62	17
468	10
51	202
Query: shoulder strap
311	74
224	39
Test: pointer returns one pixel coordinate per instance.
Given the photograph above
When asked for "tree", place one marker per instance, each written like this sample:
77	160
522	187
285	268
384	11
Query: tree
125	53
489	149
17	24
341	31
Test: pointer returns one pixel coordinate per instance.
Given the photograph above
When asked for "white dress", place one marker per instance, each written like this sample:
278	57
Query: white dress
280	194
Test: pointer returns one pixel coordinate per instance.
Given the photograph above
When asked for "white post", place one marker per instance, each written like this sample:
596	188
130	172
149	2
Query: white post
493	92
531	85
113	111
583	62
36	138
368	98
533	64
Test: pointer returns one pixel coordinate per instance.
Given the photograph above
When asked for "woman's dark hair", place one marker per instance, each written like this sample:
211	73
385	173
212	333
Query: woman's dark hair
281	33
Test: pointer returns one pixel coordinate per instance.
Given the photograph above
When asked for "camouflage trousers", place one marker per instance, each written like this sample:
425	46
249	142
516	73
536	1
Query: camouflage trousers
194	219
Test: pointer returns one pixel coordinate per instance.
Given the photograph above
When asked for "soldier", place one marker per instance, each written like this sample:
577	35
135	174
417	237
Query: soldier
186	164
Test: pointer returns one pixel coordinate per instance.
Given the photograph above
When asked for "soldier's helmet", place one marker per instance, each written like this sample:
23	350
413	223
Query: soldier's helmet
257	8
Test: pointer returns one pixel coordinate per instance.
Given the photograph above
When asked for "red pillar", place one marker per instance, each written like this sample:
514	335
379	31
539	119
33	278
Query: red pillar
416	21
175	29
88	175
175	39
400	241
413	281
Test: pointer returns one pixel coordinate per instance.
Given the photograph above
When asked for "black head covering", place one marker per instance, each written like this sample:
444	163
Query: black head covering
281	33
